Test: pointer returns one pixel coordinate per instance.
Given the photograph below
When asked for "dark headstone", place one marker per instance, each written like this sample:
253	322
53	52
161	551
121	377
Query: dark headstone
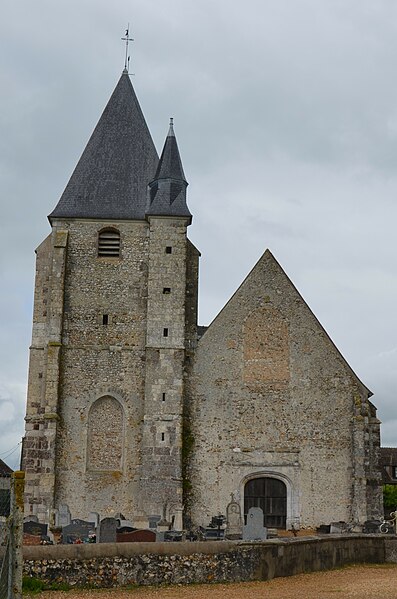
371	526
213	534
108	530
324	529
153	520
36	529
125	529
124	525
78	531
172	535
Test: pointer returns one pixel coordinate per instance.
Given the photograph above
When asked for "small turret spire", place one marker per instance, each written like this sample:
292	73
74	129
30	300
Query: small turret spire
171	129
167	191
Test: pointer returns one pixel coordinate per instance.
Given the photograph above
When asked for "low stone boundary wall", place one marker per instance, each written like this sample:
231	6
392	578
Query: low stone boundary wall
120	564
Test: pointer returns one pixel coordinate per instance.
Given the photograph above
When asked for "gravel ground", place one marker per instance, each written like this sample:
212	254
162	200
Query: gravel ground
360	582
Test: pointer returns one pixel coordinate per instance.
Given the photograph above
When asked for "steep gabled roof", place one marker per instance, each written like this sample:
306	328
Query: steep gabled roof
111	178
167	191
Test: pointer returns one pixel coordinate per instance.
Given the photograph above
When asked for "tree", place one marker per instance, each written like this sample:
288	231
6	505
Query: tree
390	496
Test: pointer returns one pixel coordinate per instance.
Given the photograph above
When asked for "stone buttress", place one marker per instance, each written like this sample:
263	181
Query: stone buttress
42	413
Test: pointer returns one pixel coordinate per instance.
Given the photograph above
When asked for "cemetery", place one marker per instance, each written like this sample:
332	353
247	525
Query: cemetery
111	552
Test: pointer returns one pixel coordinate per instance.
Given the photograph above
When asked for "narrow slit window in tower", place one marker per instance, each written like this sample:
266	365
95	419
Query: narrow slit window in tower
165	332
166	290
105	319
168	249
163	396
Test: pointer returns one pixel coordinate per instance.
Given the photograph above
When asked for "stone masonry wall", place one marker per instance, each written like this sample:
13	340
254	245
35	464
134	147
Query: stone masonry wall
102	371
270	395
161	475
189	563
42	413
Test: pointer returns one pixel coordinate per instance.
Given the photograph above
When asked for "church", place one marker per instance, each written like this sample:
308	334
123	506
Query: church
133	408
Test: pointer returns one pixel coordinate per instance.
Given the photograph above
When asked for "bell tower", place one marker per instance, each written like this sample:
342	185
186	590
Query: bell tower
168	217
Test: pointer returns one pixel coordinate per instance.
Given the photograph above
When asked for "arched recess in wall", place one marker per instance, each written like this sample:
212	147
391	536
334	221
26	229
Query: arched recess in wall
266	347
292	517
105	435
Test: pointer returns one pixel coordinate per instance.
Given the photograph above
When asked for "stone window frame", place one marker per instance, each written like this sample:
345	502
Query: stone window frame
110	229
88	468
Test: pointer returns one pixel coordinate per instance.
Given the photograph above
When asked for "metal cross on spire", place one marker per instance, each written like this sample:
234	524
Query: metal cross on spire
127	39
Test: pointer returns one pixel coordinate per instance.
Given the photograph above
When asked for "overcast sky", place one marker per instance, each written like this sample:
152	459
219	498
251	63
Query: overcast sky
285	113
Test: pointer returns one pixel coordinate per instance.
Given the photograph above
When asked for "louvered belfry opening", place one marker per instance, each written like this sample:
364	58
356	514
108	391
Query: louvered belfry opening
109	243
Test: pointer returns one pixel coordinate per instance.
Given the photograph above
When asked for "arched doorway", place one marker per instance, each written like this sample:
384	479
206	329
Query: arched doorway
270	494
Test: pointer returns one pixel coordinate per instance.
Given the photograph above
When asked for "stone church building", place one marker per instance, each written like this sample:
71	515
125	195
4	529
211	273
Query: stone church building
134	409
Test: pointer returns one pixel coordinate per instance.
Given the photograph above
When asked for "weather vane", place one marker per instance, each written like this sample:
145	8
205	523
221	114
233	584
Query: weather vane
127	39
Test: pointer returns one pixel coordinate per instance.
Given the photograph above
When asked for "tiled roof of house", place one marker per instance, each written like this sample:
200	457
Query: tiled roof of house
5	471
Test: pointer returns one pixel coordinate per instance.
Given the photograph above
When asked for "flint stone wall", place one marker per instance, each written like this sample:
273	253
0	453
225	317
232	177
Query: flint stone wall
111	565
270	395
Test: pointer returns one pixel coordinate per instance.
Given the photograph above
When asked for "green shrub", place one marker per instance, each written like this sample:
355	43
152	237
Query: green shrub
32	585
390	496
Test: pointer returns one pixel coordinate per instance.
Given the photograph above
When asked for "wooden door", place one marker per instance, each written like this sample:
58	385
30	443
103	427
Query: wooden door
270	494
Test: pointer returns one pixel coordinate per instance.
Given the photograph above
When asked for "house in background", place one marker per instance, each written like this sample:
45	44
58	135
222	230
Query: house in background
388	464
5	486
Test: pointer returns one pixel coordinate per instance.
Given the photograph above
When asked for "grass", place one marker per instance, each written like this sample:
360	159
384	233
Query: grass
33	586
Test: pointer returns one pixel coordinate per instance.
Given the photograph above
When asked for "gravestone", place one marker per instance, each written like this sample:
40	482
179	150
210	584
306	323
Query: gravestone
153	520
124	525
337	528
31	518
62	516
173	536
254	529
163	525
94	517
371	526
108	530
77	531
178	519
141	521
234	523
137	536
36	529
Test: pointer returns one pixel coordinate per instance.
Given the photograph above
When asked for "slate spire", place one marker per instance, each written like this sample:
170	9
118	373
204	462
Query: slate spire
167	191
111	178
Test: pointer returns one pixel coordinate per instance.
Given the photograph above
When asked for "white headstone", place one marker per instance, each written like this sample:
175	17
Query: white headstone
254	529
